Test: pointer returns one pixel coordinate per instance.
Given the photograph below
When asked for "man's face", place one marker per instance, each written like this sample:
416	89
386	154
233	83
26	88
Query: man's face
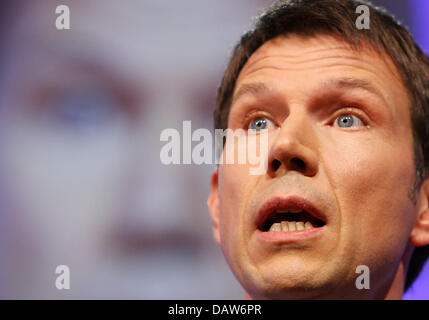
340	148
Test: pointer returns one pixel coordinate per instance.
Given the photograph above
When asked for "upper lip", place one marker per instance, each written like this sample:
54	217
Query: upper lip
292	202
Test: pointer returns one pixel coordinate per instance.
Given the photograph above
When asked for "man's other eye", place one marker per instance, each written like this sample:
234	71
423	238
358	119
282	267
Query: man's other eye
260	123
348	120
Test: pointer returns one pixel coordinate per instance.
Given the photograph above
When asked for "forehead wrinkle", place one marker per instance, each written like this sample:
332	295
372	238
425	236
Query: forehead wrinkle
301	58
281	63
298	46
267	52
301	53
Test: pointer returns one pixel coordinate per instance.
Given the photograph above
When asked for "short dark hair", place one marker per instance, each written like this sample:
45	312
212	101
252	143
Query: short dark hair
309	18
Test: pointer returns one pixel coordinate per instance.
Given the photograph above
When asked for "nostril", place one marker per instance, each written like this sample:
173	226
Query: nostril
294	164
298	163
276	164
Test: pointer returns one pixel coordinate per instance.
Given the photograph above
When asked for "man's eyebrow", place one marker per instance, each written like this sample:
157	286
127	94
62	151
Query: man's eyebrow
352	83
255	89
259	88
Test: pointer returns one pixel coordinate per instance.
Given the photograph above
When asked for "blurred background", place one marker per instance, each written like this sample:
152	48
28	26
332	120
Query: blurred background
81	112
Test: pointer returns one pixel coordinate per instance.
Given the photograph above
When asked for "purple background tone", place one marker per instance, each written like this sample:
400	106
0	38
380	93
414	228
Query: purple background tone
420	22
419	26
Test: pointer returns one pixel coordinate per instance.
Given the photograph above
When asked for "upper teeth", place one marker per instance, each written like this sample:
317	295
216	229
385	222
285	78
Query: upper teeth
287	226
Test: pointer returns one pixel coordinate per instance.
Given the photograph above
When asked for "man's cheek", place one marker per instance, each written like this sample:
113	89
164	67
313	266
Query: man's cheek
360	170
229	235
372	190
233	182
232	190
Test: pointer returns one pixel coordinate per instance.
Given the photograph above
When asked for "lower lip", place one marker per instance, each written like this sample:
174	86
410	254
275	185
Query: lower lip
279	237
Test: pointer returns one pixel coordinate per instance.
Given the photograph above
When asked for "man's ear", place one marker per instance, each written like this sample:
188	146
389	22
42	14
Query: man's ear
420	232
213	204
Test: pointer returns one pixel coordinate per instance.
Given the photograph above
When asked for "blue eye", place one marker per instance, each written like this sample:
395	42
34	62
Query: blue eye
348	120
260	123
82	110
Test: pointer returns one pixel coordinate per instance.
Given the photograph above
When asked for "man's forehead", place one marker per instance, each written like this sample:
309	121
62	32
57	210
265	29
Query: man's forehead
297	49
293	53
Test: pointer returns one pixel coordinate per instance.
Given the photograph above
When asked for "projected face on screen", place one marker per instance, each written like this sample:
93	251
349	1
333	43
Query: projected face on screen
81	180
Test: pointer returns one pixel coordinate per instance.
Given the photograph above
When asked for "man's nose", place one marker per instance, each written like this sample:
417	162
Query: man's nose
294	148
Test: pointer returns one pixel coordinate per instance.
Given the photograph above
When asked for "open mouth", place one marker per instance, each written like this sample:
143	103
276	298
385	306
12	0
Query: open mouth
289	220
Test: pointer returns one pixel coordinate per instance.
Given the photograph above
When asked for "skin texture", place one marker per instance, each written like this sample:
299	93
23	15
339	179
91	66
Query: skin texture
359	177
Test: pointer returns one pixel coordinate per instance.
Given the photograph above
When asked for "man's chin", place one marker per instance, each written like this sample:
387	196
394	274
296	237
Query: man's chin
299	283
298	291
282	292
